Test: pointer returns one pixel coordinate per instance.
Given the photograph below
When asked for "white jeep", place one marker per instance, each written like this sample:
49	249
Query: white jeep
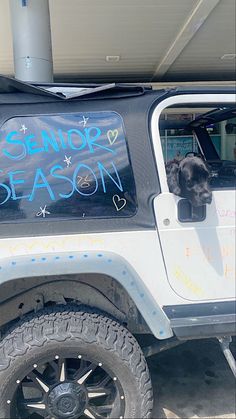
96	253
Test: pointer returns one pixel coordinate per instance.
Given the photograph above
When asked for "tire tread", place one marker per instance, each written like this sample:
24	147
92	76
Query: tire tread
75	323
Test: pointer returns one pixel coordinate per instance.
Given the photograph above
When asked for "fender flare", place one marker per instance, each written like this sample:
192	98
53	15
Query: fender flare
107	263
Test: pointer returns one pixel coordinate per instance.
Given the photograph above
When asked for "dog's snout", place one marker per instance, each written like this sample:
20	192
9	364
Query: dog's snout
207	197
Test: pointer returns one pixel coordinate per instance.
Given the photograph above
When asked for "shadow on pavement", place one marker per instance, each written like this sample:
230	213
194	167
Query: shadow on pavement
192	380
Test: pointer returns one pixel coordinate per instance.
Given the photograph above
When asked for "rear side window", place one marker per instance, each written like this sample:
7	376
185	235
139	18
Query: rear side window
65	166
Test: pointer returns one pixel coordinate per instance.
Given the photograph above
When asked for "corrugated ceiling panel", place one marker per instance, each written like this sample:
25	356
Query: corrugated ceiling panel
216	37
139	31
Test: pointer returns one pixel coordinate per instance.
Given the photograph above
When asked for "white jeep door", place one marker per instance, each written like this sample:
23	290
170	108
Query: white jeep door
199	255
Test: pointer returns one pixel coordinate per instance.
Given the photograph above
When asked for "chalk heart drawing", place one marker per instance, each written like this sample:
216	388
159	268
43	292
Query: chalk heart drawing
119	203
112	135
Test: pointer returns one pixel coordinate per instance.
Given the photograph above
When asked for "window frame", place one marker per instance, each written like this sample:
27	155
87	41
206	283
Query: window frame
186	100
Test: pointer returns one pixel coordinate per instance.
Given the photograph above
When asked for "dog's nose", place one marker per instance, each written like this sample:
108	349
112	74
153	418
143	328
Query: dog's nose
207	197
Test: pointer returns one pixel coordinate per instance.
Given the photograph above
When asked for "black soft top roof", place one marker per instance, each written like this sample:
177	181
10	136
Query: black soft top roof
16	91
66	92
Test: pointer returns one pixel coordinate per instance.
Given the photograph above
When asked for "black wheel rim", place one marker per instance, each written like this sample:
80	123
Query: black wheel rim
67	388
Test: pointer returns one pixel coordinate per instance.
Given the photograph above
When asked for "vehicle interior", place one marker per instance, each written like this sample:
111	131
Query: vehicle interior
209	133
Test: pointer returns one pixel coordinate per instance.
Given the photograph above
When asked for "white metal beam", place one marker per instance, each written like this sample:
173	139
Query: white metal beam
194	21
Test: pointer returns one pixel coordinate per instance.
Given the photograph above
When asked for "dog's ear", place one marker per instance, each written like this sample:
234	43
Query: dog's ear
172	172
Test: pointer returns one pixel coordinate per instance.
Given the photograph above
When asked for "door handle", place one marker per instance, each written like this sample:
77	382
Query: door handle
187	213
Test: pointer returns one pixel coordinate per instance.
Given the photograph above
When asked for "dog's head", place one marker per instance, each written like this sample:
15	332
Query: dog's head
189	179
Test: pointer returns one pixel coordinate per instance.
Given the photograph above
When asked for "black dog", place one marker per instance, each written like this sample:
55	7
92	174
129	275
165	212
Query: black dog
188	178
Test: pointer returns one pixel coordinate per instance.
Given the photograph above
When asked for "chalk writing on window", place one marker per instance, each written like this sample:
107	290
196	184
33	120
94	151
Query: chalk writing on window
65	165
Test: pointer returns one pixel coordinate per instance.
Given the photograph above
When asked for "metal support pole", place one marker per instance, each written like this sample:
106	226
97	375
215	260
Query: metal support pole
223	141
224	343
30	21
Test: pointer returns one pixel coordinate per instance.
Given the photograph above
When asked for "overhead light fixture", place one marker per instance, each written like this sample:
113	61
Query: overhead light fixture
228	57
112	58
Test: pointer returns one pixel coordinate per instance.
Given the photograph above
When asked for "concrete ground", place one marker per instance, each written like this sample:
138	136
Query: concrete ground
193	380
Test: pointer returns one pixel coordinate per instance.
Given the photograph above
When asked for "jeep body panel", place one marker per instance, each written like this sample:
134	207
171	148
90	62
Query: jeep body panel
151	252
60	255
199	256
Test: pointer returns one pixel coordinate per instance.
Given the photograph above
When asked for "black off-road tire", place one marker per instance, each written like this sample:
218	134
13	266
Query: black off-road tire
100	338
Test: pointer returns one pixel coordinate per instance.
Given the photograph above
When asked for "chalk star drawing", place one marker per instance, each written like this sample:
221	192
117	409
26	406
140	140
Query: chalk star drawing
23	128
67	161
83	182
84	122
42	212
